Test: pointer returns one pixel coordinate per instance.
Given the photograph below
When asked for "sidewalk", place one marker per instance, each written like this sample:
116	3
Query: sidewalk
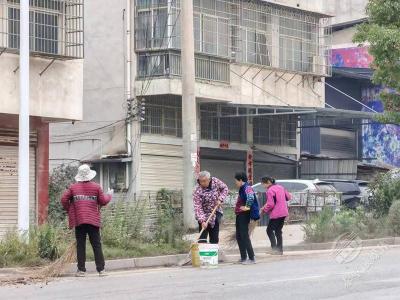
293	237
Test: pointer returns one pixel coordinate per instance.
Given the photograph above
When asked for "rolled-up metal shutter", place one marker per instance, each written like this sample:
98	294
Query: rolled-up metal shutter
223	169
338	143
9	188
161	166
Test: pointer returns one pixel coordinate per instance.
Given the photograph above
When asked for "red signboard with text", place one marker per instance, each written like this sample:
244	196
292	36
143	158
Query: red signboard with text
250	166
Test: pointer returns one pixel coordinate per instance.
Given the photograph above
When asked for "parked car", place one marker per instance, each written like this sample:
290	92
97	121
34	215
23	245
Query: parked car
308	197
366	194
301	185
306	192
351	193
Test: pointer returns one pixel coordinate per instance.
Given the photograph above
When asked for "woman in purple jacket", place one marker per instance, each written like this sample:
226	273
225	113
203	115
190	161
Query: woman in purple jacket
277	209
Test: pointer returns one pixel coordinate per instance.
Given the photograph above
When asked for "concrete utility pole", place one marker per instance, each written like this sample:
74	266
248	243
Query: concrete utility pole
23	150
189	118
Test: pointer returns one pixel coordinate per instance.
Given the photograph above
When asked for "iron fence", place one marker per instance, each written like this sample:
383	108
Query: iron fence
169	64
302	206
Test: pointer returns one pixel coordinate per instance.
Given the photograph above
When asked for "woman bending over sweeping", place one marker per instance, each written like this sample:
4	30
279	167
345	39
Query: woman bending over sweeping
209	193
82	201
277	209
246	204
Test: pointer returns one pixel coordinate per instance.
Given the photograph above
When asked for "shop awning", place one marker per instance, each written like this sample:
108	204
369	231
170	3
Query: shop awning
356	73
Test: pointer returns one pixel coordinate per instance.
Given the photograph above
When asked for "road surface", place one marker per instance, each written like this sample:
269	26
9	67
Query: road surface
373	274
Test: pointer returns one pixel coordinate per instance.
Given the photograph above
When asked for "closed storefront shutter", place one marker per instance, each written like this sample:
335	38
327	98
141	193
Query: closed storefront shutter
161	167
338	143
9	188
275	170
273	165
223	163
223	169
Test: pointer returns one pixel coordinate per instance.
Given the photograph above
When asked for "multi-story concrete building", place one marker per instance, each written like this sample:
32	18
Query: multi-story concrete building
259	66
56	45
350	89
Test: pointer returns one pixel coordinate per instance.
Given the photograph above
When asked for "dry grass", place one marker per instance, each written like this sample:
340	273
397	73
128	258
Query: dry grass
45	274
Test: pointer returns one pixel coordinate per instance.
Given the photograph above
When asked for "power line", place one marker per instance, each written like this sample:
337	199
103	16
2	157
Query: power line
262	89
265	91
85	122
89	131
91	152
350	97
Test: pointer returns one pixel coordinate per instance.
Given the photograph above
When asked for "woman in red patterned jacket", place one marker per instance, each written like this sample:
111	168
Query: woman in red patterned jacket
82	201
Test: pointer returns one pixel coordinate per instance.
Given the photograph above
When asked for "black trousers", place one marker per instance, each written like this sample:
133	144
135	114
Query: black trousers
274	232
212	232
94	237
242	236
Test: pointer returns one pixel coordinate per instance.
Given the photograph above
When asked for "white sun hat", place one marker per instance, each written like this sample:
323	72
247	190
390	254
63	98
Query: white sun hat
85	173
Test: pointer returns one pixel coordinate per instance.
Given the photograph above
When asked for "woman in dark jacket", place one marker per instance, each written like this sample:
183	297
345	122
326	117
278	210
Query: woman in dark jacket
244	202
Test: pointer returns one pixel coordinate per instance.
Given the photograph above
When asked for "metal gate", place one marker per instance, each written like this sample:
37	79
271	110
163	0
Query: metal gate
9	188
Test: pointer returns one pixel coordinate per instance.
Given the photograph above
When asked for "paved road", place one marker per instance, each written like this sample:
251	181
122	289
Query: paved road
374	274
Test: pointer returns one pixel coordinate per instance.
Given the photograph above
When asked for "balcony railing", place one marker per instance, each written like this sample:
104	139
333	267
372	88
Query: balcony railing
169	64
55	27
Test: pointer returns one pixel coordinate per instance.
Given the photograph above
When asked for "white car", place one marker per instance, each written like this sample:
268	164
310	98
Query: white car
300	185
312	193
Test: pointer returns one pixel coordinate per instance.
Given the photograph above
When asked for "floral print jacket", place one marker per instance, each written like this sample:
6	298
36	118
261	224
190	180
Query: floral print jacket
205	200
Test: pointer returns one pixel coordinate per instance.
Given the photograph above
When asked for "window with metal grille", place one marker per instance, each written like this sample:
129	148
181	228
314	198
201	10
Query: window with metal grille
43	31
254	32
297	42
216	127
163	116
276	130
152	28
211	34
55	27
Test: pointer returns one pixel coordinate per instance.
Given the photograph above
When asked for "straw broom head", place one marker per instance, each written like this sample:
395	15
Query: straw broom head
58	267
232	237
55	269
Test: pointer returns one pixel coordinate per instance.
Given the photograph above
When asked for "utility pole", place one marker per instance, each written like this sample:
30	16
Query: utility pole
189	114
135	116
23	142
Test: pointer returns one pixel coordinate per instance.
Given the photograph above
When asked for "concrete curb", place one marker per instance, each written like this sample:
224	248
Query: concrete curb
324	246
133	263
229	255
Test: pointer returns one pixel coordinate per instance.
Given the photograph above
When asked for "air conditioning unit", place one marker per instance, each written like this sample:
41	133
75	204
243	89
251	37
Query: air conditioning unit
318	65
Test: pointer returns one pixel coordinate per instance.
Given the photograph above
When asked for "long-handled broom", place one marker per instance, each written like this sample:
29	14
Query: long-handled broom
188	258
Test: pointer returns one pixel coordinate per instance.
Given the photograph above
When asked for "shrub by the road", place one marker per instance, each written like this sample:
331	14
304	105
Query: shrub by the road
42	244
130	229
394	218
60	179
328	226
385	190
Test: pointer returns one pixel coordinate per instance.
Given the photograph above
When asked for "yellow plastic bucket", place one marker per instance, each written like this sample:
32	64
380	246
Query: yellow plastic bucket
194	249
